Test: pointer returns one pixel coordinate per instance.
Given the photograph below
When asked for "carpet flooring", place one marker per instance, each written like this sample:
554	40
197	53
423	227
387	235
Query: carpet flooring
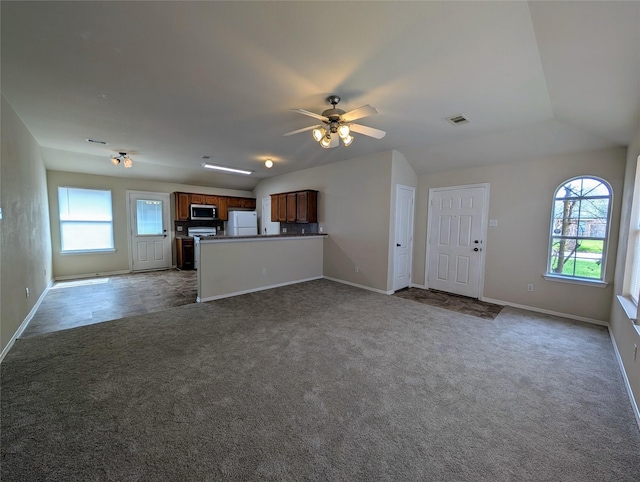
318	381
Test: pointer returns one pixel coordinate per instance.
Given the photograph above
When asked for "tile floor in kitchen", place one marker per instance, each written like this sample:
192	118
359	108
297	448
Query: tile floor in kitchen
70	304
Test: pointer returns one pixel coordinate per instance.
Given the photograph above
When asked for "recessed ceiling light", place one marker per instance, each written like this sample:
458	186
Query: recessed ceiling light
225	169
93	141
268	163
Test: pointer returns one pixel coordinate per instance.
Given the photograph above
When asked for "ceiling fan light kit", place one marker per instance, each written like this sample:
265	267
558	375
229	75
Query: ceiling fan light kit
338	124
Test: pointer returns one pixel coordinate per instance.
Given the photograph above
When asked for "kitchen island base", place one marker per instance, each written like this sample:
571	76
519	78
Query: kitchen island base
231	267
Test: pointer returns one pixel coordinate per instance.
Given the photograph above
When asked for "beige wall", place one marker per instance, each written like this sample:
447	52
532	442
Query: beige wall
354	209
233	267
25	246
95	264
622	329
516	250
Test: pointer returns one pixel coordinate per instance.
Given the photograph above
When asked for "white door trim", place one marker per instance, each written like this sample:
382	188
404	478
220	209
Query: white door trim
483	228
167	219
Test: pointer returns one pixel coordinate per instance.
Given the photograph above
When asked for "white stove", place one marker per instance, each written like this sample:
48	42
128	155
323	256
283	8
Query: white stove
202	231
196	233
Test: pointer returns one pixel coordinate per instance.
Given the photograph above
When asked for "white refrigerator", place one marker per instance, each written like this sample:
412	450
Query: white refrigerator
242	223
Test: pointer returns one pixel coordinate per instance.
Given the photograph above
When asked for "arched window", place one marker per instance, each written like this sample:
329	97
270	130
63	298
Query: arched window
580	229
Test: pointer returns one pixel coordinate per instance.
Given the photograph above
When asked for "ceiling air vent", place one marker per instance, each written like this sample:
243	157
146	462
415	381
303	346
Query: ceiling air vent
458	120
93	141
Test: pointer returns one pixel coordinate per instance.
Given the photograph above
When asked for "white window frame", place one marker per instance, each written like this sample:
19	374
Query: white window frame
62	222
631	285
564	278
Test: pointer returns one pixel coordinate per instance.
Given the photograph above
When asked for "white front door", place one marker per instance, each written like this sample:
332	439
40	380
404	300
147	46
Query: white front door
149	229
455	251
403	237
266	225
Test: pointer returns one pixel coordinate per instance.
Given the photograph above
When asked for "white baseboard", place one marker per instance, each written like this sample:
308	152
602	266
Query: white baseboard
25	322
359	286
253	290
92	275
627	384
546	312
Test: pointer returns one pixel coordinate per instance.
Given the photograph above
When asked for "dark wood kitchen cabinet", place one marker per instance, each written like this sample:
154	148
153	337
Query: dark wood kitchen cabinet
295	207
223	213
307	207
185	252
182	206
291	207
198	199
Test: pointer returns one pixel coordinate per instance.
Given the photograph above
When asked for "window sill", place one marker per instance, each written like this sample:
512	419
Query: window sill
576	281
88	251
631	309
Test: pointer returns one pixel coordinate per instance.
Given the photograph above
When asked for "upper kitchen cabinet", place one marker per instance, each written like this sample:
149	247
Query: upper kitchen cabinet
223	212
182	206
307	207
241	202
223	203
198	198
295	207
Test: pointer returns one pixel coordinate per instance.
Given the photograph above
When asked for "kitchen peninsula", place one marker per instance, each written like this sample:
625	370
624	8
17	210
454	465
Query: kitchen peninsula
235	265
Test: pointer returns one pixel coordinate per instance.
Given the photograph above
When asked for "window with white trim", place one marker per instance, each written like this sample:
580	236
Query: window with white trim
632	279
579	234
86	220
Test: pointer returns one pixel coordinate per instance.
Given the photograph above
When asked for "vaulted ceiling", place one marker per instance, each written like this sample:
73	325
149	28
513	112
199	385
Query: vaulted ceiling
170	82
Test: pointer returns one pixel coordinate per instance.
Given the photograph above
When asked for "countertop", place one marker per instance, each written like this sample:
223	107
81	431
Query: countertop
261	237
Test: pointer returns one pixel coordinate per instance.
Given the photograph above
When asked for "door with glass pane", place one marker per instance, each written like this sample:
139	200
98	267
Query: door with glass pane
149	229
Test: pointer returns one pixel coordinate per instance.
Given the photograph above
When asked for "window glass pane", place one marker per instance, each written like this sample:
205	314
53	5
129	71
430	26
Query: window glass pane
84	204
579	214
149	217
86	221
635	273
86	235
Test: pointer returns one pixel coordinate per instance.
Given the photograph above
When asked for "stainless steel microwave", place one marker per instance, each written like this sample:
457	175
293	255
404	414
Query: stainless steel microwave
200	212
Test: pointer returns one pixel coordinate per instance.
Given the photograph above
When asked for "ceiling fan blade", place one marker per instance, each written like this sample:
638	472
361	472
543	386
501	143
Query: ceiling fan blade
311	114
358	113
304	129
335	140
367	131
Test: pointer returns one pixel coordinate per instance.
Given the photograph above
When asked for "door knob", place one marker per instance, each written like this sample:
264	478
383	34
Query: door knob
476	249
476	241
398	245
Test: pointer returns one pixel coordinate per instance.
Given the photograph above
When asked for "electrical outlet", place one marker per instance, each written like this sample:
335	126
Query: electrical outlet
302	230
179	228
529	287
284	230
321	229
357	269
493	223
27	291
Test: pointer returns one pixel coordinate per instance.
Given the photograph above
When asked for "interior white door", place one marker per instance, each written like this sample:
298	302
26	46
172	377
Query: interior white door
456	242
266	225
149	227
403	237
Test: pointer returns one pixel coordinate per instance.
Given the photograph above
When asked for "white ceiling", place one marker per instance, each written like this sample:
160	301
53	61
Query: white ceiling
169	82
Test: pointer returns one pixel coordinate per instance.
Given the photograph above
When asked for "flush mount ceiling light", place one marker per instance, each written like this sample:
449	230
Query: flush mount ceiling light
208	165
126	160
268	163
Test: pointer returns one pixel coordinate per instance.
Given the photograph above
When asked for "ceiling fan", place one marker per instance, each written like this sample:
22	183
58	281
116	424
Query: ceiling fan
338	124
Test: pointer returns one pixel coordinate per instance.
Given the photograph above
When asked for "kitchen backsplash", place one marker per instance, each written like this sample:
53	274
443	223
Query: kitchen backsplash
296	228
